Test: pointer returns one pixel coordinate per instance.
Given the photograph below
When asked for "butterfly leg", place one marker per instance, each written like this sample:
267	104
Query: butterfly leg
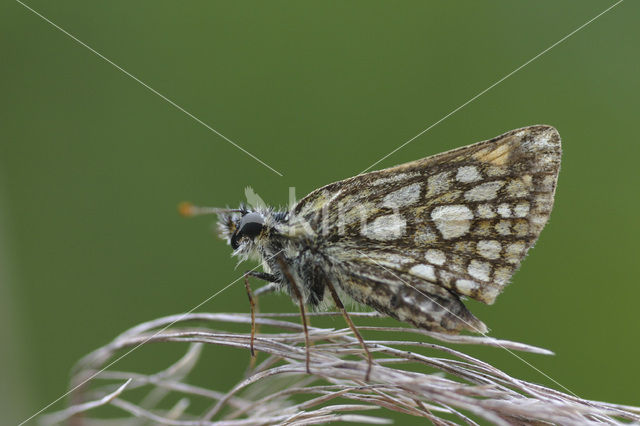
273	286
352	326
303	315
254	303
270	278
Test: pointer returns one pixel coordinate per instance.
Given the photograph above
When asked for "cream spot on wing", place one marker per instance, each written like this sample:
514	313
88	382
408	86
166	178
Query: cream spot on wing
521	228
489	294
399	259
548	182
521	209
489	249
484	192
536	223
544	201
502	275
514	251
504	210
423	271
479	270
546	161
437	184
446	278
543	198
395	178
517	188
485	211
389	260
452	221
503	227
468	174
466	286
387	227
436	257
402	197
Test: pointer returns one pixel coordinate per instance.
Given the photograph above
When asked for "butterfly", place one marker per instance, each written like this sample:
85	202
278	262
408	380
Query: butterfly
412	240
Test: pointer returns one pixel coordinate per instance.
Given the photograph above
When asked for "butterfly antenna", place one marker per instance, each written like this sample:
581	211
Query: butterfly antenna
187	209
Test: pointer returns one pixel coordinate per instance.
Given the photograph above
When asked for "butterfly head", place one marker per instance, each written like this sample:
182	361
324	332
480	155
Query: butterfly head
244	229
239	227
252	232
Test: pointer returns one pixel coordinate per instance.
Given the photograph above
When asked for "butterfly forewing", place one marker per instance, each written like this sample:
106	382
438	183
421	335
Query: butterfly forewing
456	223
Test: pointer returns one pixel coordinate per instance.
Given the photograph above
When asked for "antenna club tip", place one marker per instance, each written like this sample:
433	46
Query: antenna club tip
186	209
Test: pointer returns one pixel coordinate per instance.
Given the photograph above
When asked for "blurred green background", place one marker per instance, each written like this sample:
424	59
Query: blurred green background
92	164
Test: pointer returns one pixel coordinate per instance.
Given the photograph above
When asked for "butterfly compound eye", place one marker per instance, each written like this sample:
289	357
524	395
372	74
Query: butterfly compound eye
250	226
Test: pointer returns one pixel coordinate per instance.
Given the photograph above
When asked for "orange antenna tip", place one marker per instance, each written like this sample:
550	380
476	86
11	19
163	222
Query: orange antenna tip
186	209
